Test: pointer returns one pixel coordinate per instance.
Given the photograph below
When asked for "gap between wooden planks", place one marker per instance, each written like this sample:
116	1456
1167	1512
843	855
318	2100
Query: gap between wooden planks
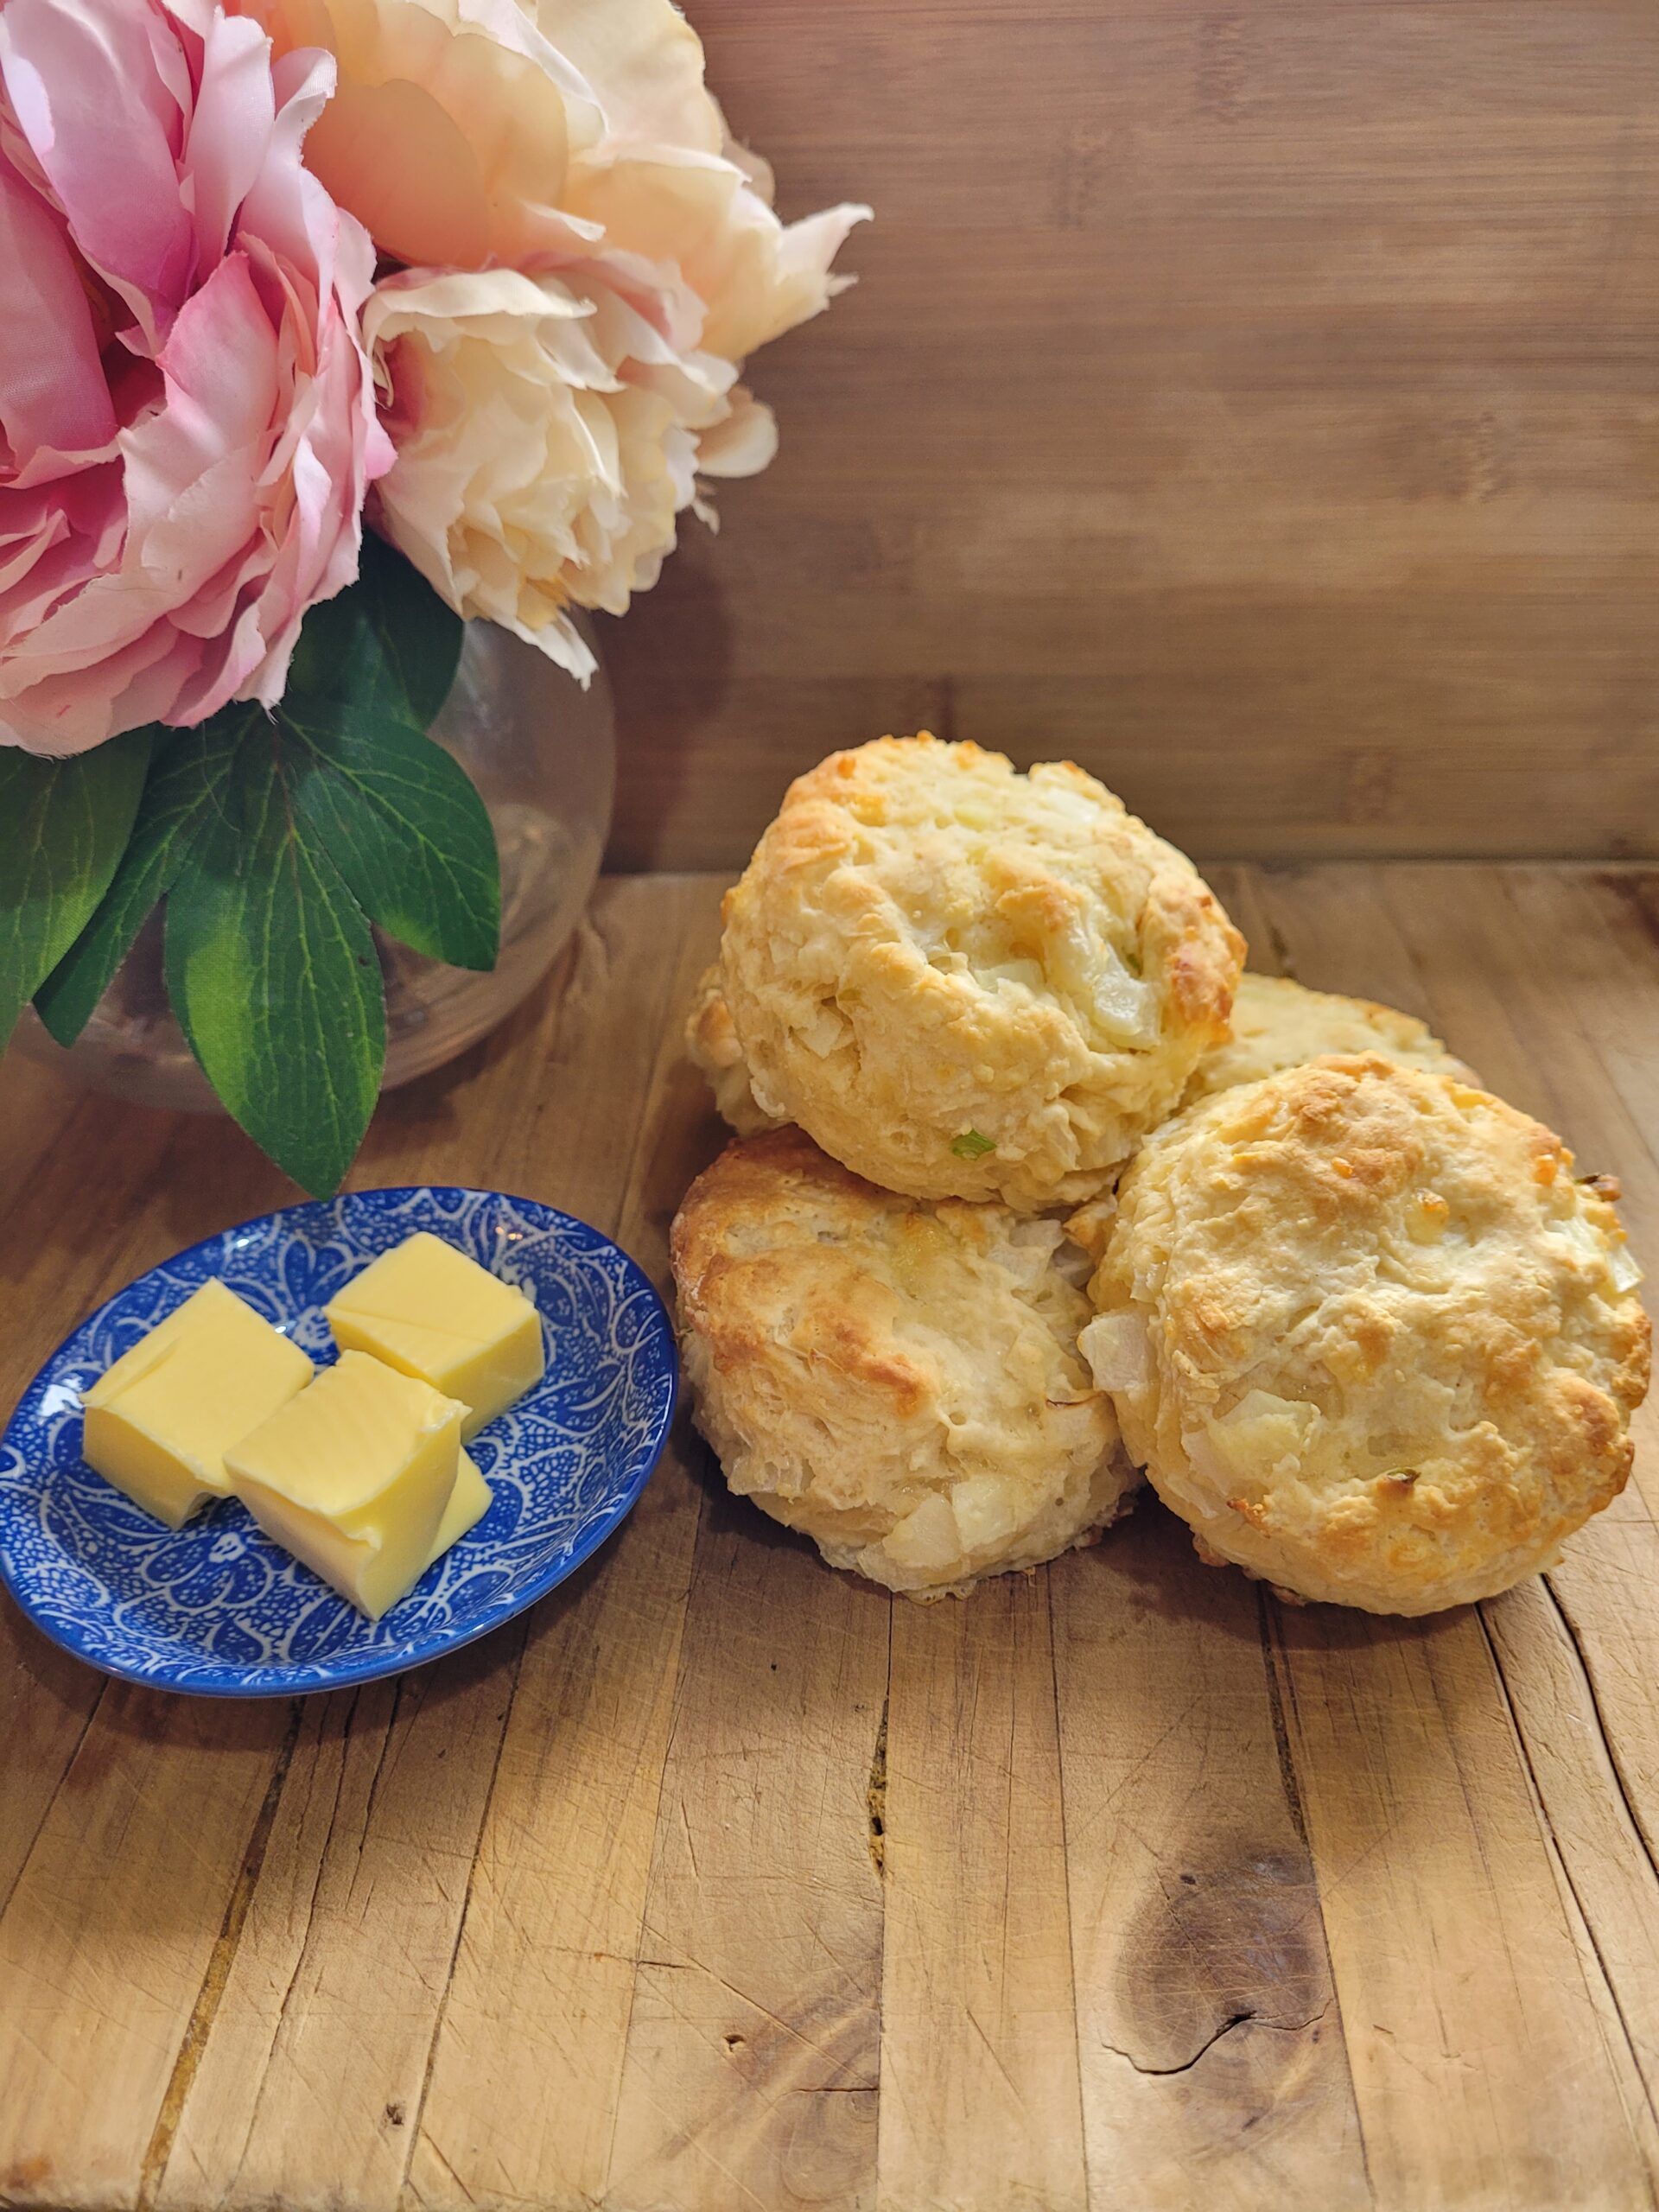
720	1882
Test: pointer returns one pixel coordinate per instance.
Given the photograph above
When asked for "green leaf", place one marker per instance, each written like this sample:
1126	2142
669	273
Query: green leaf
403	825
272	971
187	784
419	635
63	824
402	820
970	1145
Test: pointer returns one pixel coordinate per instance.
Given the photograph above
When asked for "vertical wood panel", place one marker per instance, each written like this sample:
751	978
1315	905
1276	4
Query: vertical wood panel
109	1931
751	2074
1477	2051
1257	404
1209	2035
979	2070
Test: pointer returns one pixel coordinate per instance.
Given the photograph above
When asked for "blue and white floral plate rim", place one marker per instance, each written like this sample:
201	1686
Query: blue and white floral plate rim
215	1608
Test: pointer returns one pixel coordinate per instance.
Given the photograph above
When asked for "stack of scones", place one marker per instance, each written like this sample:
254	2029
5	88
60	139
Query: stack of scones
1034	1190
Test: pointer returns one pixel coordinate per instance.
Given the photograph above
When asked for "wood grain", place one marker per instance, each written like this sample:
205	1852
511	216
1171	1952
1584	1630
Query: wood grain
1209	2037
1256	404
978	2067
721	1881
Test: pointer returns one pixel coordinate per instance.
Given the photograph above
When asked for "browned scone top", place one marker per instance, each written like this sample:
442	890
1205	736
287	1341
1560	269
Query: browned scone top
1369	1336
900	1379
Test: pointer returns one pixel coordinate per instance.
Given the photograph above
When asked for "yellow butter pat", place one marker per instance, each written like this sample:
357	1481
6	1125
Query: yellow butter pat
469	1502
430	1311
159	1422
354	1477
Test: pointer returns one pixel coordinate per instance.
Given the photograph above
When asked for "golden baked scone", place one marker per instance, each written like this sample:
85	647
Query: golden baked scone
898	1380
711	1045
1278	1024
967	983
1368	1336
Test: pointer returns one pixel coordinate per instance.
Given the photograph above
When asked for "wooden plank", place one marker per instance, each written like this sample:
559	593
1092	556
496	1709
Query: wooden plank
35	1104
291	2014
347	1947
750	2057
1209	2035
104	1784
1606	1859
979	2075
525	2068
1416	1787
1594	942
1238	887
1478	2050
109	1931
1288	459
46	1699
751	2074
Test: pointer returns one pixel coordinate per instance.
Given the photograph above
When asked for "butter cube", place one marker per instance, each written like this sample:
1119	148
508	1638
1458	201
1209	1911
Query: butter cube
469	1502
428	1310
159	1422
354	1477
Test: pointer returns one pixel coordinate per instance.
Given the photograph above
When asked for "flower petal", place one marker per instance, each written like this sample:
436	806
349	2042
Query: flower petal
52	389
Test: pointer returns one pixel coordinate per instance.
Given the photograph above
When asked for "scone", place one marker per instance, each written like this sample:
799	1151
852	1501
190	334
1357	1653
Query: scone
1278	1024
898	1380
967	983
1368	1336
711	1045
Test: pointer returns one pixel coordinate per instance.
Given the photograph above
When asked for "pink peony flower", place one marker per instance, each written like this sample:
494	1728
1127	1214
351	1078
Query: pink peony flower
187	413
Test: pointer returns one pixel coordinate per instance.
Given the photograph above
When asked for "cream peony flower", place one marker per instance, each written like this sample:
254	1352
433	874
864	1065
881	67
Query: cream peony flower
548	433
466	132
593	257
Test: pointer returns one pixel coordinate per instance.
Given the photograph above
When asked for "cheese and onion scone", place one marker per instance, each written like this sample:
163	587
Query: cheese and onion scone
1278	1024
897	1379
1368	1336
712	1047
964	981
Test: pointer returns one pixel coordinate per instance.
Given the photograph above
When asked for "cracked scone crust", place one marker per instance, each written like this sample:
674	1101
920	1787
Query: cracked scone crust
1278	1024
1368	1336
967	983
712	1047
898	1380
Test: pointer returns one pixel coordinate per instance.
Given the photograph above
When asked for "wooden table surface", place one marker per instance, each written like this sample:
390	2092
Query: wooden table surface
720	1880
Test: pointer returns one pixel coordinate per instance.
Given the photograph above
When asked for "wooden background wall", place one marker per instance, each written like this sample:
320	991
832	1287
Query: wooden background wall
1259	404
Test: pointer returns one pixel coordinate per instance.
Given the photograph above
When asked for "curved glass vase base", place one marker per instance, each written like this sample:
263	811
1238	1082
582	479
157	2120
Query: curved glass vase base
542	753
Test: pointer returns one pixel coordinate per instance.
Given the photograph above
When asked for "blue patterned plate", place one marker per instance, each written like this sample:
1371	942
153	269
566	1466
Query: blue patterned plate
217	1608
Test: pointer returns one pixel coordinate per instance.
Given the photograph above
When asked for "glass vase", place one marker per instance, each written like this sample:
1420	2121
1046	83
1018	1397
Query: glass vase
542	753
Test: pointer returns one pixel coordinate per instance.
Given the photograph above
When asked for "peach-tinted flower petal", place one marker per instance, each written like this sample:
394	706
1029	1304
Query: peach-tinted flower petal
467	132
744	443
453	126
698	212
547	439
644	64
